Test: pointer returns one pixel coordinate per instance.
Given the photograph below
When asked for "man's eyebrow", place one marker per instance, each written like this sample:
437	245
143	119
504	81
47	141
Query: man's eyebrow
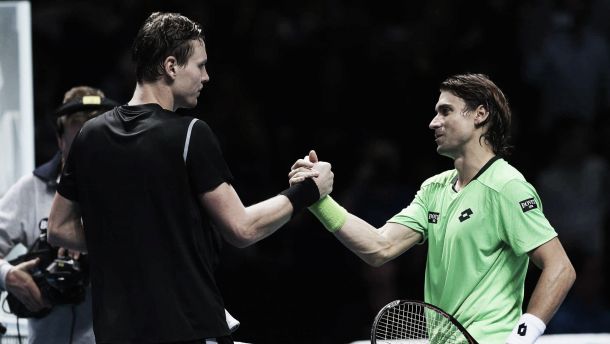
443	107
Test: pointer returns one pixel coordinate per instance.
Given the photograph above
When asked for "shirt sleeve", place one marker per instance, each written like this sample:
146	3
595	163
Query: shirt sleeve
67	183
205	163
415	216
523	225
16	215
15	218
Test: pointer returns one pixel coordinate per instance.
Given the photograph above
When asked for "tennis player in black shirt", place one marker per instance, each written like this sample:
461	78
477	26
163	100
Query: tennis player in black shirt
148	185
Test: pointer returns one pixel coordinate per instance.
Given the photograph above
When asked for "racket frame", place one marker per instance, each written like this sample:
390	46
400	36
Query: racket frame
425	305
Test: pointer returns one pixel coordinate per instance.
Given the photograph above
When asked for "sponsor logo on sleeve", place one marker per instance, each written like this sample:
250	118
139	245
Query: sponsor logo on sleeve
433	217
528	204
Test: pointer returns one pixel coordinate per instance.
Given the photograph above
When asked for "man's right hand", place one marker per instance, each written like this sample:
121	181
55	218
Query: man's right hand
311	167
20	284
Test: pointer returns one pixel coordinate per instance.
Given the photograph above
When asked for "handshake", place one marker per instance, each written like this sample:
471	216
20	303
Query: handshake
310	167
311	182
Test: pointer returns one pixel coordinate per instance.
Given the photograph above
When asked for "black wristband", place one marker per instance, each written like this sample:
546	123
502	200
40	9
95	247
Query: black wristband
302	195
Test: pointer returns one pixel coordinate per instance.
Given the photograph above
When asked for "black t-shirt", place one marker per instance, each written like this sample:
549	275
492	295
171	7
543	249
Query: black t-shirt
152	248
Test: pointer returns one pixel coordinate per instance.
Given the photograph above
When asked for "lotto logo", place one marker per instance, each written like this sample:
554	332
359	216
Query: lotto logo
465	215
522	330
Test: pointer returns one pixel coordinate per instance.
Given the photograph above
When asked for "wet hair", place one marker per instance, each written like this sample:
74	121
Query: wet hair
478	89
163	35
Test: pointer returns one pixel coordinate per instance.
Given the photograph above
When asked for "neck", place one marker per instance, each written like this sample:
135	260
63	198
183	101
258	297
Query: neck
469	164
153	92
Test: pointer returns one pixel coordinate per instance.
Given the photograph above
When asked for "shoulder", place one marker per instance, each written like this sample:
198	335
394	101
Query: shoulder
26	181
500	175
23	188
199	129
440	179
511	186
92	125
197	123
199	137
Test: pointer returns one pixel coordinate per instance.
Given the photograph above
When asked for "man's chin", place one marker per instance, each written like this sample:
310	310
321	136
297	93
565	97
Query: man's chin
444	152
187	105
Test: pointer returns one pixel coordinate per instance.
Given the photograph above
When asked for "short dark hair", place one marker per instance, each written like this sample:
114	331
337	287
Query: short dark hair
478	89
163	35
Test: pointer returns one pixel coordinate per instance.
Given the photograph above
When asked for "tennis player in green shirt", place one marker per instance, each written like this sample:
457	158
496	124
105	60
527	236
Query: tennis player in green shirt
482	222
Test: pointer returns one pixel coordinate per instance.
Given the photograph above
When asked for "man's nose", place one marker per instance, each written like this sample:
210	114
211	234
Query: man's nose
435	123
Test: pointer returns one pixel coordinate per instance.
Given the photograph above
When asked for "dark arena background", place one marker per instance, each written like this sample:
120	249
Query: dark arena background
357	81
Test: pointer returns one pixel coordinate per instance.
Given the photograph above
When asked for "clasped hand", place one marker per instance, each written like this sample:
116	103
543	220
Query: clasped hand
311	167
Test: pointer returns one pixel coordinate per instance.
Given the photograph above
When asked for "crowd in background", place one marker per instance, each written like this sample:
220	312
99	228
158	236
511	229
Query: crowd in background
358	81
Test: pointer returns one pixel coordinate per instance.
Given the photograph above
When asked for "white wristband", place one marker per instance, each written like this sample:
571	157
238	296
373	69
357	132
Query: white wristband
528	329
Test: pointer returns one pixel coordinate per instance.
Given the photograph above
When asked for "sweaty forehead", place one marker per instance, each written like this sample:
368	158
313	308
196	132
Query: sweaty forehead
199	53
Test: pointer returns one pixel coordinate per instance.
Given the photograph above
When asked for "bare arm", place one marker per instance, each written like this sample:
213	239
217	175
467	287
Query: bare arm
556	279
376	246
243	226
65	226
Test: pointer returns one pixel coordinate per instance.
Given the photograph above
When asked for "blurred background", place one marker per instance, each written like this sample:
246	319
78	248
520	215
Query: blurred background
357	81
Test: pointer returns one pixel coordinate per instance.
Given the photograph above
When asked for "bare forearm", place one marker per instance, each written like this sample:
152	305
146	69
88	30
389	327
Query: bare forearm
243	226
551	289
364	240
70	235
376	246
264	218
65	226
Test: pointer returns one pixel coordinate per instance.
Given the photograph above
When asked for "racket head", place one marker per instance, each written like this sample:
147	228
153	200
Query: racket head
411	321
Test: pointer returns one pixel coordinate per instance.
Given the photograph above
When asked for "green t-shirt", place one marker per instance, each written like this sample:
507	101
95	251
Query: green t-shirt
478	239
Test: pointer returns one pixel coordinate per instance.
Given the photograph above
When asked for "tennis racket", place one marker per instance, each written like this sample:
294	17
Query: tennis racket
405	321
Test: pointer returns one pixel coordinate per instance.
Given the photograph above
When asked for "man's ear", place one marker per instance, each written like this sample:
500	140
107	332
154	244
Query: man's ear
170	65
480	115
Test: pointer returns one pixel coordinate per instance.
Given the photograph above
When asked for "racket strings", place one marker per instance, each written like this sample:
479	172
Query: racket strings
416	322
